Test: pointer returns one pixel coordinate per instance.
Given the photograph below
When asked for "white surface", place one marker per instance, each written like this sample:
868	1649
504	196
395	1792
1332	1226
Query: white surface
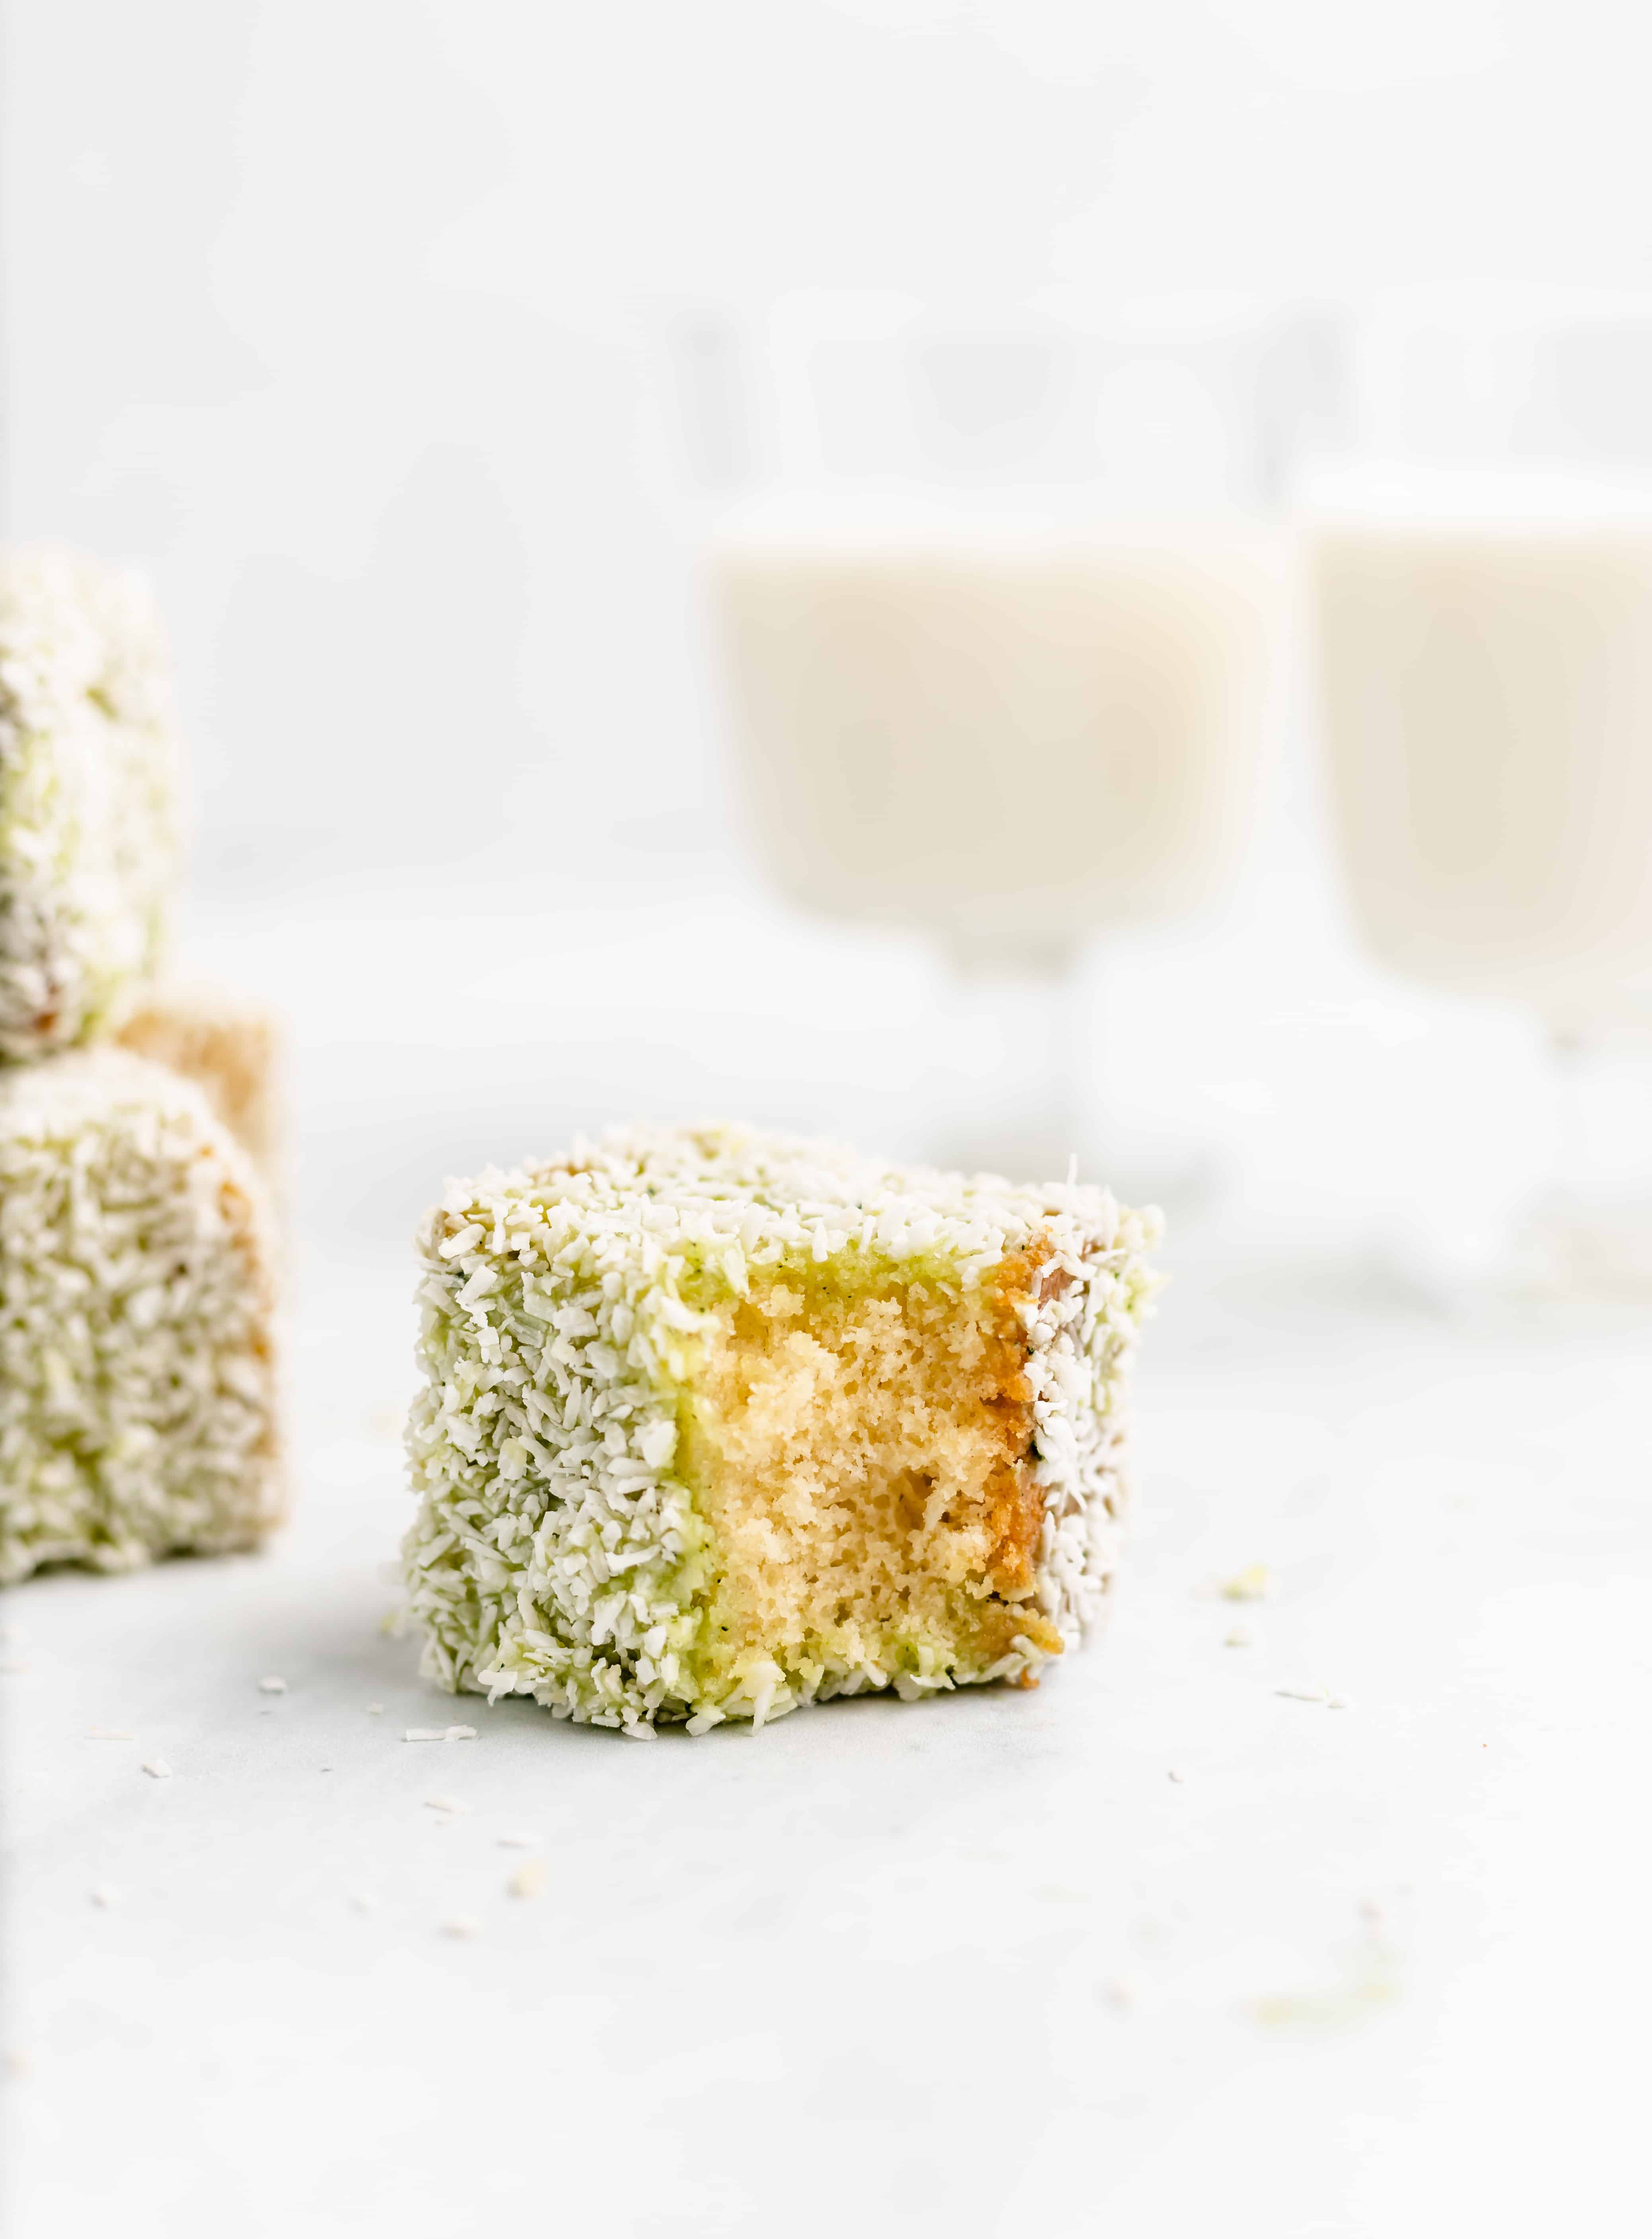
982	1966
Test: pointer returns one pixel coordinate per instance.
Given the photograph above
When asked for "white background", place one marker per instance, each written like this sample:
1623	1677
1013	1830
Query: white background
350	325
350	322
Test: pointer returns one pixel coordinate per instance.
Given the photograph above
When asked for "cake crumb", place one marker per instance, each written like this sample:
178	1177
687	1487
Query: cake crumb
1320	1695
528	1879
103	1896
1239	1637
1173	1774
424	1734
108	1734
450	1805
376	1710
275	1685
1253	1584
459	1733
462	1925
157	1767
363	1901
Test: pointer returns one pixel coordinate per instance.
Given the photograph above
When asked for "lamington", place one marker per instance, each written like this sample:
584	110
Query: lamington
89	820
228	1045
137	1341
715	1424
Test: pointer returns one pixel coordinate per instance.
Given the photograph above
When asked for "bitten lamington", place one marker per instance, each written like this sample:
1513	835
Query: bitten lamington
137	1372
715	1425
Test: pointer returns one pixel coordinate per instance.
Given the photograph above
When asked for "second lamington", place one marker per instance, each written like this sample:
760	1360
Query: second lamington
90	814
715	1425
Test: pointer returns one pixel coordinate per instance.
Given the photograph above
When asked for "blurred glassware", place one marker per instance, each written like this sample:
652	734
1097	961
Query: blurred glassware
1507	378
999	615
1482	599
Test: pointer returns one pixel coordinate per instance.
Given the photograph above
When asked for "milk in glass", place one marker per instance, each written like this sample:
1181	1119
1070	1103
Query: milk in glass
1485	669
1007	731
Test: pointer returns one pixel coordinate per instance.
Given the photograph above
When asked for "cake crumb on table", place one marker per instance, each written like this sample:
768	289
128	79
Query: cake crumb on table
1253	1584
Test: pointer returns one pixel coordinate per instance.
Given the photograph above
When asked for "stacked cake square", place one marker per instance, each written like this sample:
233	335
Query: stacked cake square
138	1405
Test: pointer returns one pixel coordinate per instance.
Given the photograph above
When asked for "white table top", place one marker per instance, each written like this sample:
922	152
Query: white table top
1158	1949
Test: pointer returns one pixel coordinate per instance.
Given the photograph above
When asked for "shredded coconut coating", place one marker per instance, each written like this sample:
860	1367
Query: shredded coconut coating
556	1553
138	1368
89	820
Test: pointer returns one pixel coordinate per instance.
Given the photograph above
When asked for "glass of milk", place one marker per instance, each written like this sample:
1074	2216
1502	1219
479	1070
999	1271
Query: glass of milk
998	634
1484	632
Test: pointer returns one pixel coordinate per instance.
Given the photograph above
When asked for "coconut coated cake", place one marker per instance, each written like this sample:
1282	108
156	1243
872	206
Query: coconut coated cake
713	1424
88	797
138	1378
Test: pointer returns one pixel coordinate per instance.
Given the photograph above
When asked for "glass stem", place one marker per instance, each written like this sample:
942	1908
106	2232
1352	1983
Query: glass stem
1009	1079
1569	1143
